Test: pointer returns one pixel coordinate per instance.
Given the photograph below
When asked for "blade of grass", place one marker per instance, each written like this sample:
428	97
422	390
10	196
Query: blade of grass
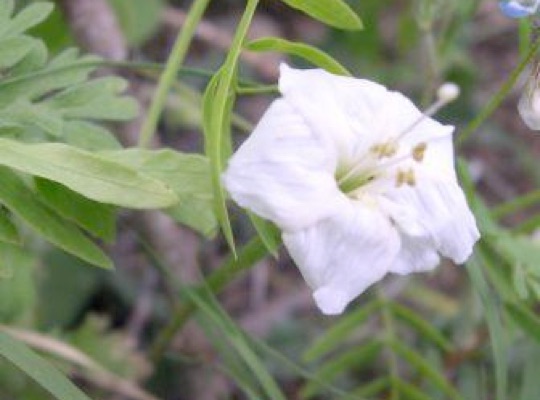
38	369
496	330
168	76
208	305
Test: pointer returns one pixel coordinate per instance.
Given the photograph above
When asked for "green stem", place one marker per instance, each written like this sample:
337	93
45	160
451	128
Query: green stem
169	74
496	100
261	89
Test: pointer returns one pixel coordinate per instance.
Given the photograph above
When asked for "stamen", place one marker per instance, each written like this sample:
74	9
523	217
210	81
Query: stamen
388	149
405	177
419	151
447	93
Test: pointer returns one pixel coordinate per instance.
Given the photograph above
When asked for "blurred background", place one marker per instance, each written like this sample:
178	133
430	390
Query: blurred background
127	320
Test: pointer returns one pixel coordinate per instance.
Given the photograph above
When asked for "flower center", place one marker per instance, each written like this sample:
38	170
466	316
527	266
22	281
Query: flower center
382	165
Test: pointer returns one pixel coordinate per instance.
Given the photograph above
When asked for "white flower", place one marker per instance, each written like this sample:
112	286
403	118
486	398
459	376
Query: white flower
359	181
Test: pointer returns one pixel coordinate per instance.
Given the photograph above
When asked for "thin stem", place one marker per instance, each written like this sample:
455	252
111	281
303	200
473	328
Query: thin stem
169	74
496	100
261	89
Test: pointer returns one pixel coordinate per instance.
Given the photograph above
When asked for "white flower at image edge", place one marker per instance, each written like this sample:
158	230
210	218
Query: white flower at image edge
359	182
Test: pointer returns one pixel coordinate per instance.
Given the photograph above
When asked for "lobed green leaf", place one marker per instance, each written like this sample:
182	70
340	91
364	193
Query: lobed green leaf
188	176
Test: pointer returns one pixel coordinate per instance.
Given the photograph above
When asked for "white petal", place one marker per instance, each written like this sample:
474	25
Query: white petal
442	211
417	254
282	172
345	112
343	255
351	115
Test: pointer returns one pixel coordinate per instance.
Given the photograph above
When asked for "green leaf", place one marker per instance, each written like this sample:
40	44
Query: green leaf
372	388
86	173
8	231
349	361
335	13
425	369
493	319
89	136
188	175
420	325
339	332
218	103
27	18
213	134
30	116
525	319
17	290
208	305
39	370
21	201
13	50
410	392
96	99
32	81
268	232
96	218
315	56
6	10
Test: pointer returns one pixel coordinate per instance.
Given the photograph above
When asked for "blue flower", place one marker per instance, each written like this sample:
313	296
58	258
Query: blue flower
519	8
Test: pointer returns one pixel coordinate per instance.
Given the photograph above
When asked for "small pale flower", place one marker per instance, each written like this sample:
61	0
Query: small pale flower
360	182
519	8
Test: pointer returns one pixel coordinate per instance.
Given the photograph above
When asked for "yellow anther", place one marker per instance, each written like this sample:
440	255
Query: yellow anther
405	177
419	151
388	149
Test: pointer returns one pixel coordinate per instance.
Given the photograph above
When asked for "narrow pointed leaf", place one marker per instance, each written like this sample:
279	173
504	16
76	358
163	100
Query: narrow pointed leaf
425	369
312	54
339	332
45	374
525	319
349	361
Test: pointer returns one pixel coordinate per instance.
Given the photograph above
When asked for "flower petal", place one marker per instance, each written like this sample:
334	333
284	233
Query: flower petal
282	172
344	112
351	115
417	254
343	255
442	211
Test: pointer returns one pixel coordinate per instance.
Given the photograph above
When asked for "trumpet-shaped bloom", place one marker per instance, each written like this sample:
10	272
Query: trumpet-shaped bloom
360	182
